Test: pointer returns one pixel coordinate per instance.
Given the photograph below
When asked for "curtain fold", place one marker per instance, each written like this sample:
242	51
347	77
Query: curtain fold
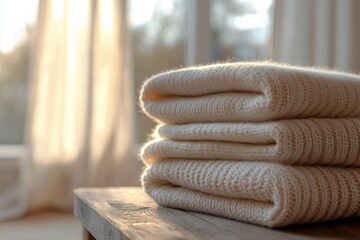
80	119
318	33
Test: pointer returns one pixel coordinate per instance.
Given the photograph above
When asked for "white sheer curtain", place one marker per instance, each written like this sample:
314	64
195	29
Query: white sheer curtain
318	32
80	117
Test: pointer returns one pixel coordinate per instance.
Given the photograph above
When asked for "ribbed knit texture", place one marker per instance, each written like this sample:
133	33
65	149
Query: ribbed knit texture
254	92
267	194
262	143
301	142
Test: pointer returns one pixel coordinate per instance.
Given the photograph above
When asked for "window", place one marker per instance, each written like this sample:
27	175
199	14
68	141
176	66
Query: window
16	42
165	34
158	44
242	29
169	34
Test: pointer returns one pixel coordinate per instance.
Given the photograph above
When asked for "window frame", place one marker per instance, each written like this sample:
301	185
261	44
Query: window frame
198	43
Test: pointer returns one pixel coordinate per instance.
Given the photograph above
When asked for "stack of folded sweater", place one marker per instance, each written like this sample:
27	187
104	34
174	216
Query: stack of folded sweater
262	143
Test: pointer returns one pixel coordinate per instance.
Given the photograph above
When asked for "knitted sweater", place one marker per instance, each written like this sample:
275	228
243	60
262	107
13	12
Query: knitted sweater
254	92
227	127
266	194
300	141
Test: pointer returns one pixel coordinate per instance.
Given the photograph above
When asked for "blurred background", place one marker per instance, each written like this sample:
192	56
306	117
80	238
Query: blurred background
71	72
160	32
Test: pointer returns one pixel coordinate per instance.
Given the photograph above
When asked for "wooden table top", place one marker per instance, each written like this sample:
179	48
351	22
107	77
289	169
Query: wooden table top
128	213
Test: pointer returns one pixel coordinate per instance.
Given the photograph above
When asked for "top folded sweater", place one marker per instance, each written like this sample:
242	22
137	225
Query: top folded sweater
253	92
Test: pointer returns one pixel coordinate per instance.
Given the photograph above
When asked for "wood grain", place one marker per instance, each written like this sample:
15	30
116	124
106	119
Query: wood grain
128	213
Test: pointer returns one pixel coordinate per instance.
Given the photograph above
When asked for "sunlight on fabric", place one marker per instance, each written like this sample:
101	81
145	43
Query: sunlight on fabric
74	102
105	77
81	13
103	117
78	13
44	116
61	119
62	76
106	15
57	9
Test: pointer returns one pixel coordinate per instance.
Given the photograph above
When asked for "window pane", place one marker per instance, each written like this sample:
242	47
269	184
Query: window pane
157	35
16	38
242	29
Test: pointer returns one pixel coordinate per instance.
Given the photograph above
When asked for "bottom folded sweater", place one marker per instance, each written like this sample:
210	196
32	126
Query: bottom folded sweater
267	194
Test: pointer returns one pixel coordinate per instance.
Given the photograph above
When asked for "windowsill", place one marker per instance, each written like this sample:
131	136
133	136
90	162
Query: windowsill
10	155
11	151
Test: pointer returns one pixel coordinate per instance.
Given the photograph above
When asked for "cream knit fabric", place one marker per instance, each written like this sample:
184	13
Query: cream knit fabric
255	92
267	194
231	135
300	141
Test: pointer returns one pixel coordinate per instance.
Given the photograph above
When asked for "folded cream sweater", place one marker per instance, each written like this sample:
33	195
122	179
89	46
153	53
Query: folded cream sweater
227	127
266	194
254	92
300	141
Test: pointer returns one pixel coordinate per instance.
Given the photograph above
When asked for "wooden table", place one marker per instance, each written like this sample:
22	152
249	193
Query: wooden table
128	213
